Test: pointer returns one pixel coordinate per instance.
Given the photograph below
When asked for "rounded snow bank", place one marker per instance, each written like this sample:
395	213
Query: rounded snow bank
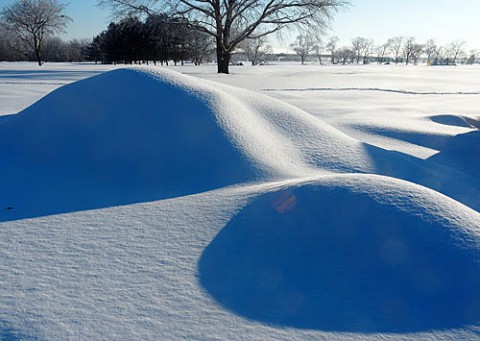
354	253
133	135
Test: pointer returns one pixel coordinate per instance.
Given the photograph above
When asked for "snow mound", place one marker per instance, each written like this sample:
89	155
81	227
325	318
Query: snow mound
133	135
143	134
351	253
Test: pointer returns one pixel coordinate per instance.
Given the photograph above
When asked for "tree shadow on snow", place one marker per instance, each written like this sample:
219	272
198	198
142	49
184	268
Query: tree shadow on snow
46	75
332	259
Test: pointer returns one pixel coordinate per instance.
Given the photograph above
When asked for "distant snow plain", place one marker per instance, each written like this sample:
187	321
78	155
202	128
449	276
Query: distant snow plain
345	208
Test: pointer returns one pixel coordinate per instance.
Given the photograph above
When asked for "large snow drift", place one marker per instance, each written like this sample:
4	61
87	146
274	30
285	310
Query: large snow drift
128	136
117	138
351	253
135	135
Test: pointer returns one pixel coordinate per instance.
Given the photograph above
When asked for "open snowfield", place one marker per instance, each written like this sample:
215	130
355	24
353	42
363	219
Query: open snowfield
281	202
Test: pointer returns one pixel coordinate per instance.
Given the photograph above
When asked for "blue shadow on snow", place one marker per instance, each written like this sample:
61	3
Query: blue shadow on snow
330	259
46	75
143	140
7	333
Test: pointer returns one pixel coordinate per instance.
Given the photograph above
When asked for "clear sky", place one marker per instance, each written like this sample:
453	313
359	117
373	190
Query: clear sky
443	20
88	19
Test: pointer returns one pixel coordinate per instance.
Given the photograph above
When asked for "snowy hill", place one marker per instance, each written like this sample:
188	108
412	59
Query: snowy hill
197	210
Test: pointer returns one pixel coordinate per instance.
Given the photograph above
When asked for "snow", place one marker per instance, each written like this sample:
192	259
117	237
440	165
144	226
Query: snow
281	202
388	99
402	261
21	84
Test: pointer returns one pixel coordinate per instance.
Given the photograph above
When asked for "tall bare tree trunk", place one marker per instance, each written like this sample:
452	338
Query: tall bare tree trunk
38	57
223	63
37	48
223	60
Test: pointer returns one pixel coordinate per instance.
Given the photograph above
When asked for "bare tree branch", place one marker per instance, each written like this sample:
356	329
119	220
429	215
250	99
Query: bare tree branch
233	21
35	20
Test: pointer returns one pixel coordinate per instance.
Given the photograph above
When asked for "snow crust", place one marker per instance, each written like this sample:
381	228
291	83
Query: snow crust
200	210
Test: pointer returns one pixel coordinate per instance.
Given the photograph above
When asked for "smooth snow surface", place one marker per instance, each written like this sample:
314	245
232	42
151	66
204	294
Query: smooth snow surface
331	212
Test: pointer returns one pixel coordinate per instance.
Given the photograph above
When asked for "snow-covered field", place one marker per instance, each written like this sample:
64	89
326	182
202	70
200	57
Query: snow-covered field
281	202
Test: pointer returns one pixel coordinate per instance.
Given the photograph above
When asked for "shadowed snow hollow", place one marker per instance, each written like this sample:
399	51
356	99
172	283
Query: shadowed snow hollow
351	253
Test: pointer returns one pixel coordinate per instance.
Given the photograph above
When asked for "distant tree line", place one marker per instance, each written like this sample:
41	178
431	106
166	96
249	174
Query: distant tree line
395	50
162	38
199	28
53	49
159	39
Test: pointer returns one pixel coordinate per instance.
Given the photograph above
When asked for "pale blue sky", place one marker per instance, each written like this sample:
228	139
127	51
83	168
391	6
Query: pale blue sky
444	20
88	19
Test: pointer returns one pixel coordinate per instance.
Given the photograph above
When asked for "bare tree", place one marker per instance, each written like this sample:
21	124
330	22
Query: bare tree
34	20
55	50
362	48
304	45
382	50
431	49
472	59
11	47
75	50
255	49
411	50
343	54
440	56
396	47
318	51
455	48
200	45
232	21
332	47
366	49
357	44
417	52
